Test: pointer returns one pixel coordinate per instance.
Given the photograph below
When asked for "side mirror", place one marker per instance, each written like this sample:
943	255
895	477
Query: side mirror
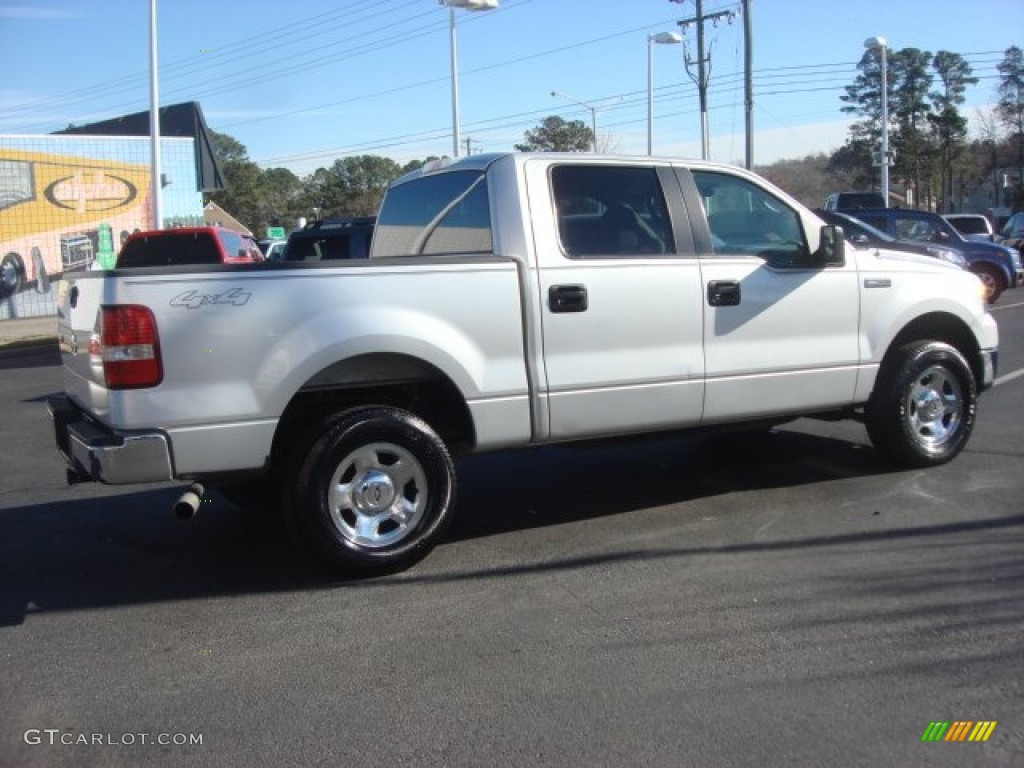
832	246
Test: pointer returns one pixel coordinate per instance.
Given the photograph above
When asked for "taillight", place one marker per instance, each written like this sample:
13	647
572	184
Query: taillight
129	347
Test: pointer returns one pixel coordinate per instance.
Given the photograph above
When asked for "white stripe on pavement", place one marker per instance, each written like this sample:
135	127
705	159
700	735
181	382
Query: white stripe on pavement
1008	377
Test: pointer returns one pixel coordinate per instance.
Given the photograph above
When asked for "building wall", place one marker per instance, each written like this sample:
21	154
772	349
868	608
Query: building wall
67	202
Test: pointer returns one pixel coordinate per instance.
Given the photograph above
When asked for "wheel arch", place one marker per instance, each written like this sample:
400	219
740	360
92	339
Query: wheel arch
385	379
939	326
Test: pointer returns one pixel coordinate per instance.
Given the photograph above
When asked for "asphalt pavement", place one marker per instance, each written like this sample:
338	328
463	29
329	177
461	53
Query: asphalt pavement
784	600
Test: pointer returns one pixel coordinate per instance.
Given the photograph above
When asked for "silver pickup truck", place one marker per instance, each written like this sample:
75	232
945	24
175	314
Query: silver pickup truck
509	300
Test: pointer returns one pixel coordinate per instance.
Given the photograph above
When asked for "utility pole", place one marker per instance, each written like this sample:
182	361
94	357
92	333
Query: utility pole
703	65
748	83
469	145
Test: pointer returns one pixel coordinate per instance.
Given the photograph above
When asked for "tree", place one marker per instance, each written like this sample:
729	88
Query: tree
280	190
242	181
949	125
908	83
1010	109
361	181
556	135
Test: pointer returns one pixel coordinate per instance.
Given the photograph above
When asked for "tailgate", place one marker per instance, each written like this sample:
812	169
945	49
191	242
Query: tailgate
79	296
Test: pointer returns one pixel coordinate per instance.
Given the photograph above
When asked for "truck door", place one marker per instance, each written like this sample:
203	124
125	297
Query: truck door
620	288
780	334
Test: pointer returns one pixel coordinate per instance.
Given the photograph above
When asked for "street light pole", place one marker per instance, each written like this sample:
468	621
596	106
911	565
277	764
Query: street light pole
662	38
593	117
154	123
881	45
466	5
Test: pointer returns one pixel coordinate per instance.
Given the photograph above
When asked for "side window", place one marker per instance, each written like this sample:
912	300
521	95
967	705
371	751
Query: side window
231	242
444	213
610	211
916	229
744	218
878	222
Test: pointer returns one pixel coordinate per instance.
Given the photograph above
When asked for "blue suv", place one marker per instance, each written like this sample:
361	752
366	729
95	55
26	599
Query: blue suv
998	266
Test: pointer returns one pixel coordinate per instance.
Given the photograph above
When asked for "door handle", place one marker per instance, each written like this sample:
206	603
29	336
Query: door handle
724	293
567	298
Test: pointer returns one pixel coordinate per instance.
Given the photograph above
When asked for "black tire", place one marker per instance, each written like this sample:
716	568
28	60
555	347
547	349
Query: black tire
994	280
12	274
923	408
373	493
39	267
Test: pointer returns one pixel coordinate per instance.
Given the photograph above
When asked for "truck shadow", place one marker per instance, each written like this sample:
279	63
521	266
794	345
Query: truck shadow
127	548
554	485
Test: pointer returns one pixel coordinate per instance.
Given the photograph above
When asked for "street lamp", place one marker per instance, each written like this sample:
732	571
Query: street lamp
880	44
466	5
662	38
593	117
154	123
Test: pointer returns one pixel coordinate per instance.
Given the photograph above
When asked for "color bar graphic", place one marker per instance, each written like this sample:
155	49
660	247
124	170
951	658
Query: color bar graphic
959	730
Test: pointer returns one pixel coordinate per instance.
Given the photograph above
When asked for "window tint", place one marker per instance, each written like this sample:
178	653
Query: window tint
611	211
970	225
743	218
923	230
336	246
878	222
176	248
437	214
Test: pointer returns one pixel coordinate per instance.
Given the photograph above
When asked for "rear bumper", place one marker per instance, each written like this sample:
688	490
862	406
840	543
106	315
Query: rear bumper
93	451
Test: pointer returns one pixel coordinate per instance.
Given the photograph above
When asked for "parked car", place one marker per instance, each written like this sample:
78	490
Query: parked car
998	267
188	245
973	226
272	249
861	234
853	201
329	239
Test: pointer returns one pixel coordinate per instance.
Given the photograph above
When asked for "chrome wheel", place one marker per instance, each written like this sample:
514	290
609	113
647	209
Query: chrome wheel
935	405
922	410
377	495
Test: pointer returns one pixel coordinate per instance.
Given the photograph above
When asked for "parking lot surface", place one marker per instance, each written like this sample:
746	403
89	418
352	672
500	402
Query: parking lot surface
727	600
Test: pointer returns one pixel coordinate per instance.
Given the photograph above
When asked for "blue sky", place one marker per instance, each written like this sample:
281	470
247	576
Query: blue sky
302	83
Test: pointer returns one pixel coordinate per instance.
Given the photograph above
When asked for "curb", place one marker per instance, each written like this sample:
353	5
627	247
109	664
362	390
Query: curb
33	341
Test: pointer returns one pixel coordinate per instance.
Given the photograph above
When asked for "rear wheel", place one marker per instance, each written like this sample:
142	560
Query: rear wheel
923	407
993	279
373	493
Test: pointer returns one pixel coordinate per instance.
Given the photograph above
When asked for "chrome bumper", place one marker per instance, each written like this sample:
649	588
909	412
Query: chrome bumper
93	451
989	368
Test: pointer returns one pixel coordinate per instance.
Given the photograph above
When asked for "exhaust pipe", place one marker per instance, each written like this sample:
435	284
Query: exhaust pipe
186	507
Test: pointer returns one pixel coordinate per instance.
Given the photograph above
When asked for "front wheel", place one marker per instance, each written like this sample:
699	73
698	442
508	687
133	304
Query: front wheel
374	491
923	408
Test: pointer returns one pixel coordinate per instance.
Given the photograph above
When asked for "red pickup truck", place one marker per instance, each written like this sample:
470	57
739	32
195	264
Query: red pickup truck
188	245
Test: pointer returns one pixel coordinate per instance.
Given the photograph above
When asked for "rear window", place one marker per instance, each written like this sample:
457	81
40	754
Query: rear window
971	225
853	201
446	213
170	248
303	248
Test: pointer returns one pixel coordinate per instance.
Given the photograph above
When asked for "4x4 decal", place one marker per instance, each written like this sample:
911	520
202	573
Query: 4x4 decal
193	299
